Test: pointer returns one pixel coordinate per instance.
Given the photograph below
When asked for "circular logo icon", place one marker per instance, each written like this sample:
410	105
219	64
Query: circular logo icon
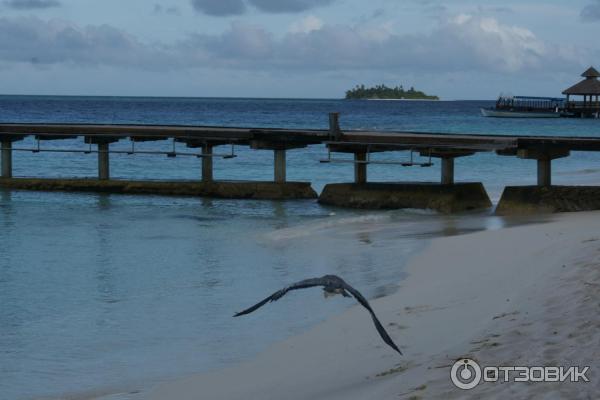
465	374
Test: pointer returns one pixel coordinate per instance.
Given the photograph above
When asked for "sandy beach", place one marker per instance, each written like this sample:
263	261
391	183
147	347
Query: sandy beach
524	296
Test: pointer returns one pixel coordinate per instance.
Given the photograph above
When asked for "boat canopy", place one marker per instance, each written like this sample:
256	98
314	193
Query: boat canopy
530	103
538	98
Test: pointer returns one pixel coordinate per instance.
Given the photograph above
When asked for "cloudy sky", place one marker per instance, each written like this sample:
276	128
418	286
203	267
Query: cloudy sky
458	49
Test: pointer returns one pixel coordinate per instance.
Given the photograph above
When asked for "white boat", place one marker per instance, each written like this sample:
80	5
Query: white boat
525	107
491	112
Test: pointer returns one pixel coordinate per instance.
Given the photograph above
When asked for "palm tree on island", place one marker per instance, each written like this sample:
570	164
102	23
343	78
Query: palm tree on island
384	92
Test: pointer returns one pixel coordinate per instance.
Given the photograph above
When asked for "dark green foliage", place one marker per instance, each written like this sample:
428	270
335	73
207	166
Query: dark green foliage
384	92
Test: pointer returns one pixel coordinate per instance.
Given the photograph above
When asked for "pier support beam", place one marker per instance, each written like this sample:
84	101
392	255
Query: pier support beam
448	171
544	172
103	161
544	159
360	167
6	159
207	163
279	152
103	154
280	164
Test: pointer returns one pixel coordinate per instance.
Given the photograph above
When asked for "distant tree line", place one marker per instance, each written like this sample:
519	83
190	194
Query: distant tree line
384	92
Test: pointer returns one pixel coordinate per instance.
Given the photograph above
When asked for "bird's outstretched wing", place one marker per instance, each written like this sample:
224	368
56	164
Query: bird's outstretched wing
382	332
307	283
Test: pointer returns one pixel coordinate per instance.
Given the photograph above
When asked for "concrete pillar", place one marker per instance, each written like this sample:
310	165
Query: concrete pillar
280	173
207	163
448	171
103	161
544	172
7	159
360	168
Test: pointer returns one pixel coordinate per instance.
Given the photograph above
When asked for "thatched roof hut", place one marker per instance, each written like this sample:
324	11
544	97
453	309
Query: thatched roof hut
590	86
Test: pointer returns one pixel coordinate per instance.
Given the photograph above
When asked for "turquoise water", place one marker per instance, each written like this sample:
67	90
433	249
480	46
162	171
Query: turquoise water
102	292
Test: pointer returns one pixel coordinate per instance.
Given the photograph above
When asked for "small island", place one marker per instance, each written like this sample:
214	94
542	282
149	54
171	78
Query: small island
382	92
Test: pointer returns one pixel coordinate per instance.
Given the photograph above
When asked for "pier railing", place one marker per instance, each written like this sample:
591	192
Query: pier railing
581	104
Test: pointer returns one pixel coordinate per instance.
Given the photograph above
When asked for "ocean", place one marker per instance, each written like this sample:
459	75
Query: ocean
101	293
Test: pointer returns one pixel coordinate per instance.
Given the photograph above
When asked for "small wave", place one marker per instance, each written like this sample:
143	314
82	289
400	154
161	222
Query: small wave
198	218
332	222
586	171
418	211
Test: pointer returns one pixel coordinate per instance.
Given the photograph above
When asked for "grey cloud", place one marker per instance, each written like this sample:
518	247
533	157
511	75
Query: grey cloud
591	12
223	8
50	42
31	4
460	44
170	10
241	42
380	12
220	8
468	43
282	6
500	9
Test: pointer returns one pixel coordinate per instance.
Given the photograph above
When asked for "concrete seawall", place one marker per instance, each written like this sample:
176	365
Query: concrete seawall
443	198
218	189
549	199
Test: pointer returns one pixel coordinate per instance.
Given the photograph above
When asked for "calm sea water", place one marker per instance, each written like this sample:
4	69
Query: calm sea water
102	292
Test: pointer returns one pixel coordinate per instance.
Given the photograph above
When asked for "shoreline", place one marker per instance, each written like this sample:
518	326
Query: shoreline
435	322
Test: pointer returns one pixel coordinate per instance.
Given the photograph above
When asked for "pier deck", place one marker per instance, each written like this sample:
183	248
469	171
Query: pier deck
382	140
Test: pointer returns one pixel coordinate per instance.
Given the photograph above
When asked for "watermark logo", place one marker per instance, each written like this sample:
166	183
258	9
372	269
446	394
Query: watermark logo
466	374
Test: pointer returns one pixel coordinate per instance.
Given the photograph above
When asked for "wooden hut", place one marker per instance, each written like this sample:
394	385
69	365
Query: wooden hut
589	88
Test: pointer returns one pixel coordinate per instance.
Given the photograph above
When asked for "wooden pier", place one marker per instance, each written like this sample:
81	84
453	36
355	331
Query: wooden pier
362	144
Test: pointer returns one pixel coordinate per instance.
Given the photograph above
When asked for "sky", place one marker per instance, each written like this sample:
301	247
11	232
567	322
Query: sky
457	49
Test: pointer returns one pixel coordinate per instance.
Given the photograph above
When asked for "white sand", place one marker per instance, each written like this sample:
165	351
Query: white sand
527	295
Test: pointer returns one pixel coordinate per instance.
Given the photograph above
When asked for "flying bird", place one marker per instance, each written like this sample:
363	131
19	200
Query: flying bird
332	285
